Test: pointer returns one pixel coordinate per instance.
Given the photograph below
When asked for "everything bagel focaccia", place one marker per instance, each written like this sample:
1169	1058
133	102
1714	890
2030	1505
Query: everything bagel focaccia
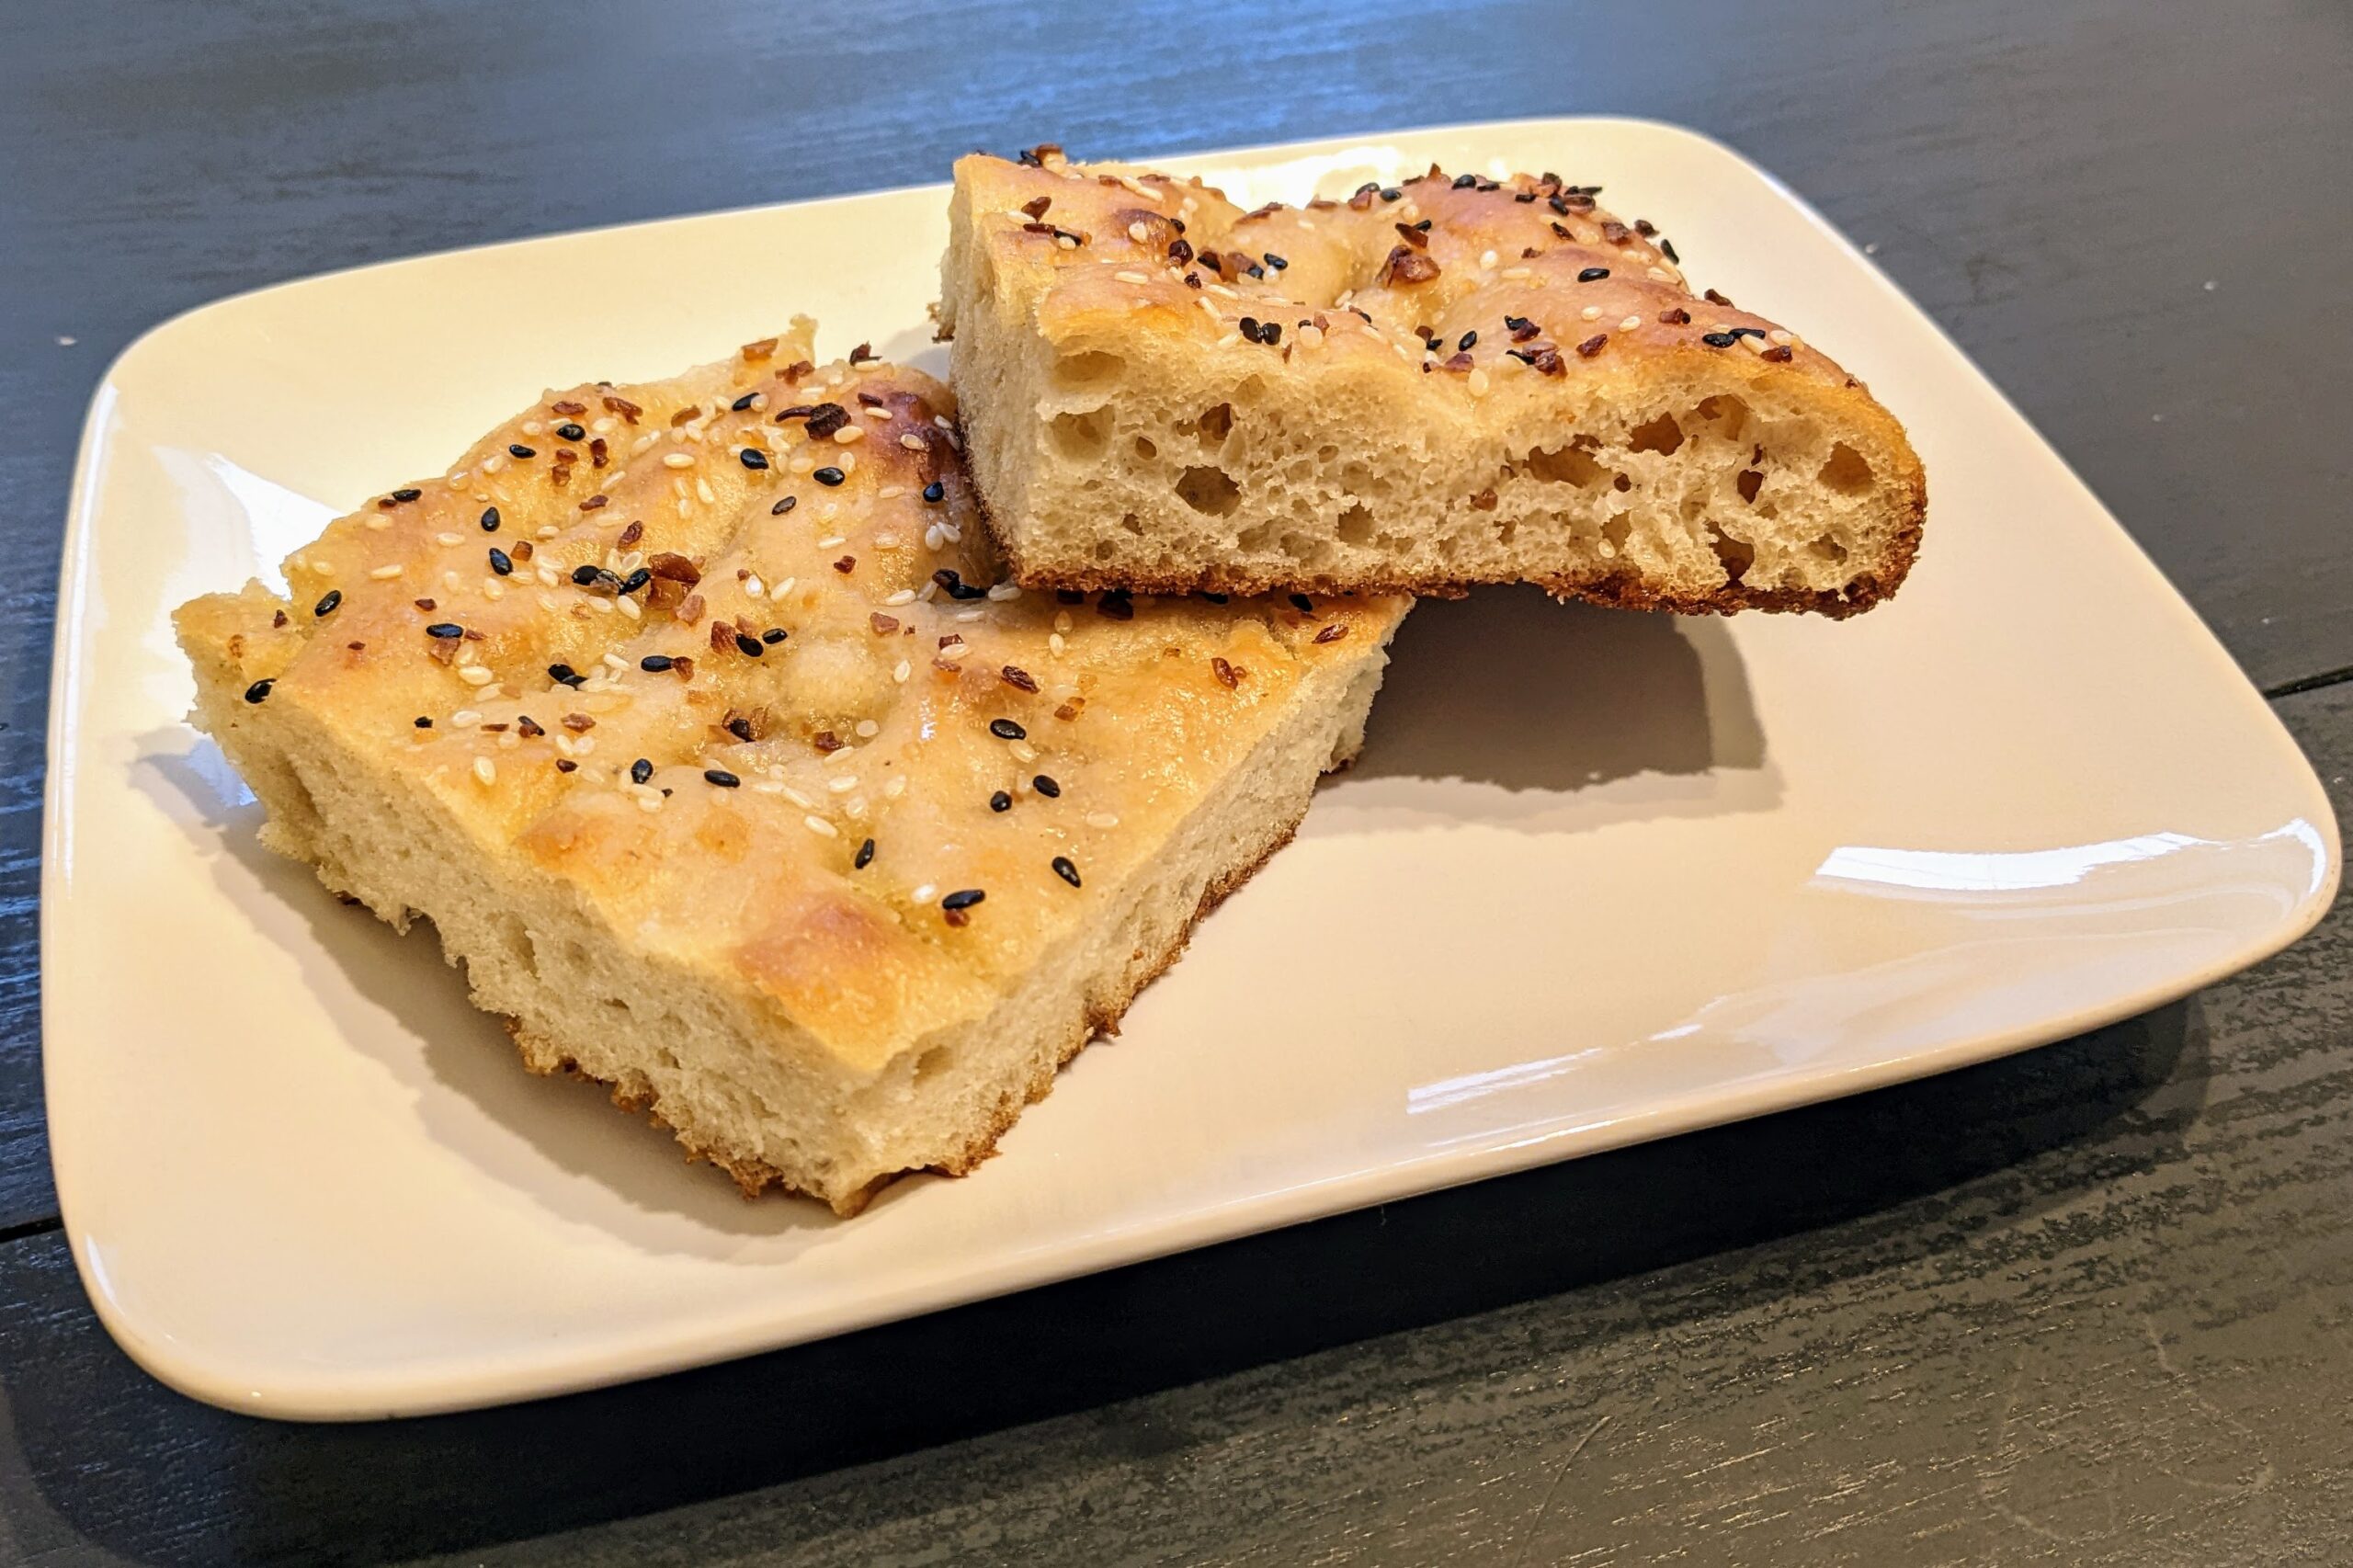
698	718
1427	385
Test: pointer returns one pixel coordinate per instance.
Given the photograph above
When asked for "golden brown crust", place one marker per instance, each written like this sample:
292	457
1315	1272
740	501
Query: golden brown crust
1505	321
716	684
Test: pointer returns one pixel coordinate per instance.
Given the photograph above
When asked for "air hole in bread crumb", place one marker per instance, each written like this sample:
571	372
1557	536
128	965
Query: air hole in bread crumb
1210	490
1725	414
1615	530
932	1063
1565	465
1090	369
1214	423
1620	482
1748	484
1847	471
1133	523
1736	555
1146	449
1661	435
1080	436
1830	550
1355	527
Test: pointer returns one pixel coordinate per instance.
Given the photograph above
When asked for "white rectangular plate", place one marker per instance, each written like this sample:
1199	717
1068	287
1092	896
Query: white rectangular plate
1599	877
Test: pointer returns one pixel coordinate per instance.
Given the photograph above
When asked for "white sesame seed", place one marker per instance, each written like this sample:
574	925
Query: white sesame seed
379	523
1054	643
386	573
778	591
868	729
485	770
702	489
895	788
678	459
968	616
843	785
1513	274
830	541
904	670
474	675
446	539
494	462
1781	336
797	798
649	801
1661	275
819	826
1023	751
1229	340
533	428
464	717
615	662
546	531
1591	313
545	575
754	586
1477	382
903	596
1487	258
849	433
1002	592
1102	819
1753	345
1126	277
1062	620
932	540
584	745
492	590
922	894
509	741
768	787
1630	323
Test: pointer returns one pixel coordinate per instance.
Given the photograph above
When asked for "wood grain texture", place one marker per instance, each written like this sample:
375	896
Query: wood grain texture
2092	1304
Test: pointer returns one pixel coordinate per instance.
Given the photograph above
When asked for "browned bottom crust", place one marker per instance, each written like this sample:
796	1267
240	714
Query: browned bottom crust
754	1175
1618	590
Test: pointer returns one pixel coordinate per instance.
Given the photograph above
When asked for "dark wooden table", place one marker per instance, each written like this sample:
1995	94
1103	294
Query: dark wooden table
2092	1304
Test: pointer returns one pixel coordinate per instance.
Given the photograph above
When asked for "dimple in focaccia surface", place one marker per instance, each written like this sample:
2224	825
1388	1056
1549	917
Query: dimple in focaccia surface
730	657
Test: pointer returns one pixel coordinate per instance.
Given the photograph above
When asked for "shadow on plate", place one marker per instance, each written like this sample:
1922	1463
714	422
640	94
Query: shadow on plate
1940	1163
407	1010
1509	709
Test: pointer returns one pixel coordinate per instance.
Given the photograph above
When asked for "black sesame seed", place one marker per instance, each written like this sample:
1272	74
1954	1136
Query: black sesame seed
1278	263
585	574
1065	870
518	449
1271	334
500	563
1000	801
774	635
741	403
641	770
407	492
654	664
1391	194
565	765
740	727
782	507
1464	182
829	476
1666	249
258	691
865	856
963	899
564	674
422	722
748	646
445	629
1007	729
1046	786
934	492
1463	342
489	519
570	432
636	580
955	586
753	459
721	778
1593	275
1719	339
1748	332
326	605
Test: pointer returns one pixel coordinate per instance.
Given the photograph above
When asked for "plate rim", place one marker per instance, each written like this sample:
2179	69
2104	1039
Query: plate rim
339	1395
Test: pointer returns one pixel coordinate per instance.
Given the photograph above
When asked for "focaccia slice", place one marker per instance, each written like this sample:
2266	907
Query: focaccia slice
1445	382
700	719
